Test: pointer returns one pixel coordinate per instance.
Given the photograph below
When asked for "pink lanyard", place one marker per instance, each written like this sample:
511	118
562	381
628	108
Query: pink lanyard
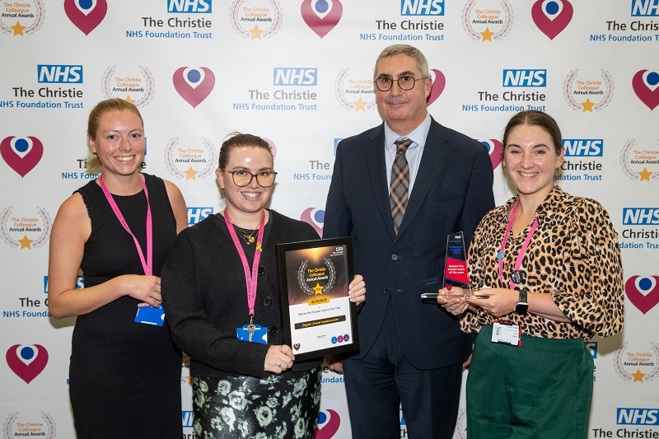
251	279
520	256
147	264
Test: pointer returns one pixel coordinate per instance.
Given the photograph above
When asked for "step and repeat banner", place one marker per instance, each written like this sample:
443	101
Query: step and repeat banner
299	73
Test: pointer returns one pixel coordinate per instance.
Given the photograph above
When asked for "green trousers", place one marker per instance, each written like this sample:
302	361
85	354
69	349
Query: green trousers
541	390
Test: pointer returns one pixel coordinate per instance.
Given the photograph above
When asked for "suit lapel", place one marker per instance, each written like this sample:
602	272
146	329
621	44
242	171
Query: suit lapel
376	167
431	167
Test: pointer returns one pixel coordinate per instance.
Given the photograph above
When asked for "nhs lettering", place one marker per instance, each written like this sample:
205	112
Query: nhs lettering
59	73
525	78
422	7
189	6
296	76
583	147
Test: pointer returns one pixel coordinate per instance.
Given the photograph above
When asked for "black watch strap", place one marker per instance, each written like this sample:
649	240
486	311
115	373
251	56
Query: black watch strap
522	303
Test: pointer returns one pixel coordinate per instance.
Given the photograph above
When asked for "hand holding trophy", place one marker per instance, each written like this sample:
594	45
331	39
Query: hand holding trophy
456	273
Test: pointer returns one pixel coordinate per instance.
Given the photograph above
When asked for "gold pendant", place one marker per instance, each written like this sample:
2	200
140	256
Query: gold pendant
249	239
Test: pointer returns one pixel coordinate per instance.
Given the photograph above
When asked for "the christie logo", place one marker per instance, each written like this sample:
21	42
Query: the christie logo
637	416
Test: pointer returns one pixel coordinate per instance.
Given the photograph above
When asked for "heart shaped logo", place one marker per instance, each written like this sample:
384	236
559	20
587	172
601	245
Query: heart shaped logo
296	346
86	15
27	361
552	16
643	292
194	84
438	85
21	154
494	149
646	86
321	16
328	424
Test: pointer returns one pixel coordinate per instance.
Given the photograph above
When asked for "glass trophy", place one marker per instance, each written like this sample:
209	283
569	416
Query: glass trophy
456	273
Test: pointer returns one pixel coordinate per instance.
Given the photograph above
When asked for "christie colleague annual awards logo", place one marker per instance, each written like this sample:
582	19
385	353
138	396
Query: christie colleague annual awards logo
22	425
640	163
597	92
23	227
487	23
190	161
637	365
24	17
256	20
135	88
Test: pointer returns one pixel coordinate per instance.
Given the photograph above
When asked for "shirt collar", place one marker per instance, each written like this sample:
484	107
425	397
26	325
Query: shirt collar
418	136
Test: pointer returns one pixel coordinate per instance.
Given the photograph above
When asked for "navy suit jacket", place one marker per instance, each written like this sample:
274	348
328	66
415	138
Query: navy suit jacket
452	192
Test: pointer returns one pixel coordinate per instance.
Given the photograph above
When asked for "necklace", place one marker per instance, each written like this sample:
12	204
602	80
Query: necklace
246	234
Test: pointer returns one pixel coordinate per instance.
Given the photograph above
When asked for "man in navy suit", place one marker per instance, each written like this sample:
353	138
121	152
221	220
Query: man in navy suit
412	352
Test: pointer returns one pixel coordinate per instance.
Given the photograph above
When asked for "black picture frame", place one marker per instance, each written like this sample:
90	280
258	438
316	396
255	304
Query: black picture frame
318	319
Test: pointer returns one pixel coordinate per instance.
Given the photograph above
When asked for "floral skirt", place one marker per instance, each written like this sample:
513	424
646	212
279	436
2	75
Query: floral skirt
280	406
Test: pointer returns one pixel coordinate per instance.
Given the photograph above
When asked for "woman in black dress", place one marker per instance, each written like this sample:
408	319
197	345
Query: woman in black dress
124	376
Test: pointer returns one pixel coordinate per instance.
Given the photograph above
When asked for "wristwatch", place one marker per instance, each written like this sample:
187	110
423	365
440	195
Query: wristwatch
522	303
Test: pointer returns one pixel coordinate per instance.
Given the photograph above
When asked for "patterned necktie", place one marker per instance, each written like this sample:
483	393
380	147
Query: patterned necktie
400	183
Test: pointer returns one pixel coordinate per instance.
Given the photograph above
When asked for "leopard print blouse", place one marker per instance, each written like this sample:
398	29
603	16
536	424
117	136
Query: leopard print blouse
574	256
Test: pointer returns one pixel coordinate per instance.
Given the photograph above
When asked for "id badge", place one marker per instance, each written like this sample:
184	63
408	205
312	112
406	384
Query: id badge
506	333
148	315
260	334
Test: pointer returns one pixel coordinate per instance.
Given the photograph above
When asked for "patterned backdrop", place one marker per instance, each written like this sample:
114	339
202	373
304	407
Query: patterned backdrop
299	73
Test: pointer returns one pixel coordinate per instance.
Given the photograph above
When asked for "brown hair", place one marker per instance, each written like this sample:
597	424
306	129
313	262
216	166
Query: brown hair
240	140
539	119
93	164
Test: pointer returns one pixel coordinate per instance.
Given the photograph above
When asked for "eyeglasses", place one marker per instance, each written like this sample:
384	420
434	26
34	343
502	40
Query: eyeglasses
242	178
405	82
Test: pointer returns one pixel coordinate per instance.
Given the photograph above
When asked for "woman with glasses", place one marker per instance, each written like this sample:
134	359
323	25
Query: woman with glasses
220	292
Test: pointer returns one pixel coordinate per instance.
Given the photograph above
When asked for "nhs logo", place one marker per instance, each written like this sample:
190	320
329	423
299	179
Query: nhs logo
295	76
640	216
59	73
525	78
189	6
197	214
645	8
637	416
583	147
422	7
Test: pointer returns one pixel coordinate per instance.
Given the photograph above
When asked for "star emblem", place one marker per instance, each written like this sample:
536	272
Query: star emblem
18	29
256	33
638	376
587	106
360	105
129	99
190	174
318	290
25	242
487	34
645	174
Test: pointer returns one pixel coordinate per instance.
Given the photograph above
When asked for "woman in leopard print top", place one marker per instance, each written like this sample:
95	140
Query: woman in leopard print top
546	276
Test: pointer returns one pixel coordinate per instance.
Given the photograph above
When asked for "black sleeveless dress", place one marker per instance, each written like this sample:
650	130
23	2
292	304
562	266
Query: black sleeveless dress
125	377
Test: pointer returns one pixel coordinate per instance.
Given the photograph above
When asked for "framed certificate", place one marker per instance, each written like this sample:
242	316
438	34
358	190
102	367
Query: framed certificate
318	317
